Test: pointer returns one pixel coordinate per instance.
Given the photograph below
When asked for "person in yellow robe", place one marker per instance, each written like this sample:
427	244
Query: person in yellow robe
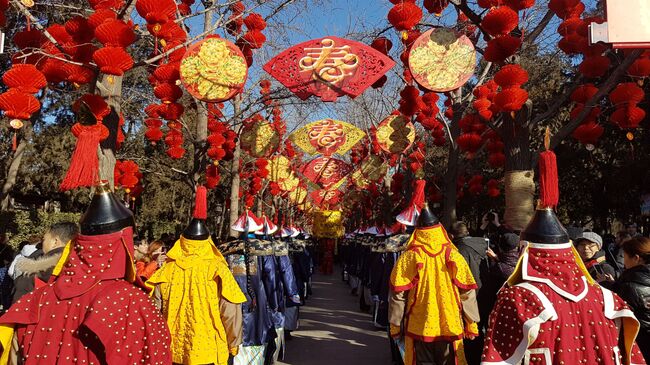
199	296
432	306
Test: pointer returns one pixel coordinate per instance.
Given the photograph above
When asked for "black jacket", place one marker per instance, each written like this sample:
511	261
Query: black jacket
634	287
33	267
474	250
598	265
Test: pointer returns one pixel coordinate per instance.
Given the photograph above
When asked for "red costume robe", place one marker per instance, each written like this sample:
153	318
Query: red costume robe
90	314
552	312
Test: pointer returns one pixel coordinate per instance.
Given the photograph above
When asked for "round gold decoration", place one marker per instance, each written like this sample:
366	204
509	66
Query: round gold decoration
260	139
279	168
441	60
213	70
395	134
372	169
16	123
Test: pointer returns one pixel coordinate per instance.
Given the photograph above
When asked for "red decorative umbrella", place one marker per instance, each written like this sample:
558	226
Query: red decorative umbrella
328	68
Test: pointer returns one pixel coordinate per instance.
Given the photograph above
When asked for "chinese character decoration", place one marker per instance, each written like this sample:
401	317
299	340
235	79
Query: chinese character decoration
395	134
326	137
326	171
214	70
441	60
328	68
326	198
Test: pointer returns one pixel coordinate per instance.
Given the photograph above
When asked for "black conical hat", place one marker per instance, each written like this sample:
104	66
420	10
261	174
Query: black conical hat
105	214
427	218
545	228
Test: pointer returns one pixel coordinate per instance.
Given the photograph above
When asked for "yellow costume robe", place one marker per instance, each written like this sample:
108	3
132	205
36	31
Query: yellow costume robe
201	302
437	280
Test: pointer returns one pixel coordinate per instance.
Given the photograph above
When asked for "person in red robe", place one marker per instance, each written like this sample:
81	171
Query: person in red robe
90	313
551	311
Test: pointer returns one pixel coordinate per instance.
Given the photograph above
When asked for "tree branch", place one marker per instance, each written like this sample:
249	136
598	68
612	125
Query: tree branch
34	21
471	15
532	37
604	89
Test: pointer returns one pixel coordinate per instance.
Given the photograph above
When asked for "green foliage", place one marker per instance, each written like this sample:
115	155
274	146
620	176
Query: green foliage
19	226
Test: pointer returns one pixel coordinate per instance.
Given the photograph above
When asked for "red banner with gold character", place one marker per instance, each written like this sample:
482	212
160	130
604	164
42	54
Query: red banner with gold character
326	171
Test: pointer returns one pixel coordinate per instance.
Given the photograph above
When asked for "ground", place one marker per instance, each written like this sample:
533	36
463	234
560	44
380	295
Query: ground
334	331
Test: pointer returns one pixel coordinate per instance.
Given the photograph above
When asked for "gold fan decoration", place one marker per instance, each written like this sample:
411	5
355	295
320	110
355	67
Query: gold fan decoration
326	137
213	70
442	60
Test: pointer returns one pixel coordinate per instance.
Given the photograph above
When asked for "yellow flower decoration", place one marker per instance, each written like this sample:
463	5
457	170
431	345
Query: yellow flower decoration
214	71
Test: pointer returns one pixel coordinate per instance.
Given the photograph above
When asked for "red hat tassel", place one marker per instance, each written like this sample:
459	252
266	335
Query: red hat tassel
548	179
201	203
84	165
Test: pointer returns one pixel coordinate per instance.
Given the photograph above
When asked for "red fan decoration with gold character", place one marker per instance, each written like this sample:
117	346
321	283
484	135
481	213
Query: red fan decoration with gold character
328	68
214	70
325	198
326	171
442	60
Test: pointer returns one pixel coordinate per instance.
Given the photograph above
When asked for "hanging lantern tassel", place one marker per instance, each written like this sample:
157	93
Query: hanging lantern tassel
14	141
84	165
548	180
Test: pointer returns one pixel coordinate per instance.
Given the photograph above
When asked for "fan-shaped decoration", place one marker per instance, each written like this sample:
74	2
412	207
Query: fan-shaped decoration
441	60
260	139
326	171
327	136
326	198
113	60
247	222
395	134
213	70
372	169
18	105
328	68
24	77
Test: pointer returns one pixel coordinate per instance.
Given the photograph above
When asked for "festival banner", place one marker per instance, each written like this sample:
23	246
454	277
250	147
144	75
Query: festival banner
326	171
328	68
326	137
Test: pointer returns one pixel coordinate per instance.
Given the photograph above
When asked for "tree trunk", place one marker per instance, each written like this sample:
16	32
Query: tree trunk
450	196
234	173
110	88
200	160
519	174
14	166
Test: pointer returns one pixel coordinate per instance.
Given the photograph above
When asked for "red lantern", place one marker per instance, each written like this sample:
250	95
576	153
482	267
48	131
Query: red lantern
640	68
470	143
404	15
497	159
97	105
511	100
168	93
254	39
628	116
595	66
100	16
24	77
255	21
519	5
500	21
115	33
511	76
493	190
626	93
113	60
79	29
435	6
500	48
156	11
588	133
583	93
18	105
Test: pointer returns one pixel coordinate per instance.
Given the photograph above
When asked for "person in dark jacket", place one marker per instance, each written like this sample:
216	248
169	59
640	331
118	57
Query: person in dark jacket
38	268
634	287
590	248
474	251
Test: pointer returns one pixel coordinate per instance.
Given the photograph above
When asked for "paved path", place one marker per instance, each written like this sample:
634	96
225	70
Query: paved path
333	331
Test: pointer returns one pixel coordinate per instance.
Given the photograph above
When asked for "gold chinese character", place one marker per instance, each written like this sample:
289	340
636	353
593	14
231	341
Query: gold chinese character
329	64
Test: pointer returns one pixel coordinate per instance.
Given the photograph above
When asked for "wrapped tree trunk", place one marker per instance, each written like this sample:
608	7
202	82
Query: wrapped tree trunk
234	173
519	174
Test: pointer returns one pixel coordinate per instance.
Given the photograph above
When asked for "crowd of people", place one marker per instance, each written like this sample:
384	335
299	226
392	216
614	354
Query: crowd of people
620	263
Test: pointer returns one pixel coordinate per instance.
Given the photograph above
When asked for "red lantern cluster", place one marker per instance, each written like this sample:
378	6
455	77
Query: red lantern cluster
253	38
511	97
127	175
410	101
483	104
417	157
115	36
499	22
493	189
641	67
496	157
428	113
469	143
185	7
257	172
626	97
19	103
383	45
475	185
161	18
589	131
472	123
221	140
